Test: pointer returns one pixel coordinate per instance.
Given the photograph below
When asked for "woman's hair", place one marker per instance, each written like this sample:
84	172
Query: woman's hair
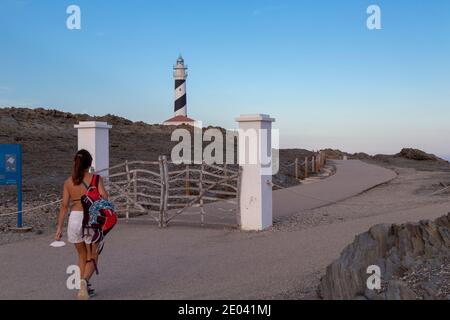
82	162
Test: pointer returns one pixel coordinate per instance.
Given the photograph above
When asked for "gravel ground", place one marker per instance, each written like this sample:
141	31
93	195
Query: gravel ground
411	189
409	192
430	279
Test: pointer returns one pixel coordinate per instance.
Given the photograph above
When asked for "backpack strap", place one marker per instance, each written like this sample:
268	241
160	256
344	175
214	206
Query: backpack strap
95	180
93	261
85	185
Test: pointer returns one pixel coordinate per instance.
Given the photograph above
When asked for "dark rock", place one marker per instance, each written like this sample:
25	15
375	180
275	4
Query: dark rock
415	154
408	250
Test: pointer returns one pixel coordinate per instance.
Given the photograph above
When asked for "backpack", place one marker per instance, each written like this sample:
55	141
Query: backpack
99	216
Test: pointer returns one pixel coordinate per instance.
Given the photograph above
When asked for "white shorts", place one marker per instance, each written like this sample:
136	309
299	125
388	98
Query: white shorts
75	229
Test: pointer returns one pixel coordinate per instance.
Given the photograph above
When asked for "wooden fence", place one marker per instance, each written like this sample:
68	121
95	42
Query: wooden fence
309	165
165	190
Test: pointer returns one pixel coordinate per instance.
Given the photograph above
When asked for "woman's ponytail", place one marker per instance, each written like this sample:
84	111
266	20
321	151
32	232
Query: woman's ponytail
82	162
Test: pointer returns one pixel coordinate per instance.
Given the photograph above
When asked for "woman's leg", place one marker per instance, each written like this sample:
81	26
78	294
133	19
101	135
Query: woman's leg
82	257
91	262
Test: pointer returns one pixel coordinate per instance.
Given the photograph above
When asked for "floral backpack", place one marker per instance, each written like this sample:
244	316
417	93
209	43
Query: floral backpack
99	215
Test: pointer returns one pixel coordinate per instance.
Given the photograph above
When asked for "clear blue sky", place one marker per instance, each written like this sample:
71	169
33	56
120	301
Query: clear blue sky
312	64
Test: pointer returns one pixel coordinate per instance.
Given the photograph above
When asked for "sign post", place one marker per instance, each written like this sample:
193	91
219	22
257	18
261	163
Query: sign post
11	173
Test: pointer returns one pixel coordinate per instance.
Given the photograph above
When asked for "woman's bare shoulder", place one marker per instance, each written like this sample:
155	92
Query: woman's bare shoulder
68	182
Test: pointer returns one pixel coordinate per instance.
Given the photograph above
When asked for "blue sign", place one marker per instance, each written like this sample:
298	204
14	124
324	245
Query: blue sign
11	172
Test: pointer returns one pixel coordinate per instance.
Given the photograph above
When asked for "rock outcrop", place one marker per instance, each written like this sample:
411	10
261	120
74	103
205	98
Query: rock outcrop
406	154
415	154
413	259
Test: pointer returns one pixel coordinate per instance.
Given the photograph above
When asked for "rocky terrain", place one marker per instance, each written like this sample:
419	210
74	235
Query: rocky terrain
413	258
49	143
404	154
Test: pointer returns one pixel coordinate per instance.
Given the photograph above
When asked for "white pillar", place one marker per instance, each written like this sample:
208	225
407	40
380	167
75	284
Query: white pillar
93	136
256	181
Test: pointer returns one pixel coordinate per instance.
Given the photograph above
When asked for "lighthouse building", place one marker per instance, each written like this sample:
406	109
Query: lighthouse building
180	105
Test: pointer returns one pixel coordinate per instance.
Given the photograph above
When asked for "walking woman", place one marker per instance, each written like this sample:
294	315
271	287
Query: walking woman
74	188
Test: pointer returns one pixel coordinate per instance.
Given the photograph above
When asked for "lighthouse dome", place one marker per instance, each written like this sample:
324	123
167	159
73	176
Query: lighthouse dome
180	60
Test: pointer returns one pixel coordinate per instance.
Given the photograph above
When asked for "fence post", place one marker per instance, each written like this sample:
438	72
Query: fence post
161	198
187	182
127	169
313	166
255	144
202	210
135	188
135	185
296	168
225	170
306	167
319	164
166	188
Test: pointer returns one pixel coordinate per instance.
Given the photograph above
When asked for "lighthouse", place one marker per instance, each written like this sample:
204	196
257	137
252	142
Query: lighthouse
180	99
180	76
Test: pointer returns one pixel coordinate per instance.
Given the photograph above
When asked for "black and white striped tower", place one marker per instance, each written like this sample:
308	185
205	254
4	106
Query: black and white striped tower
180	75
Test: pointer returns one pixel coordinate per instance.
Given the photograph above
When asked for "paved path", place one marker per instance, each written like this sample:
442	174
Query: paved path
351	178
144	262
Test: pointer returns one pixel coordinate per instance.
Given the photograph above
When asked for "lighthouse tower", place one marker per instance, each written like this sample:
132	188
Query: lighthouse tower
180	75
180	105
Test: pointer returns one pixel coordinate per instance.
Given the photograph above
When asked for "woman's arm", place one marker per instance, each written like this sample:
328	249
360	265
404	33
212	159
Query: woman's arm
62	212
101	189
